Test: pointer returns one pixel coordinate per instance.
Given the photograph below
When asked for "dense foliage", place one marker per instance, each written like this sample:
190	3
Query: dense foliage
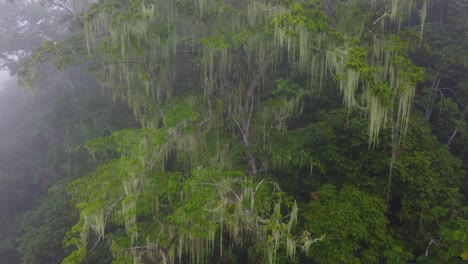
249	131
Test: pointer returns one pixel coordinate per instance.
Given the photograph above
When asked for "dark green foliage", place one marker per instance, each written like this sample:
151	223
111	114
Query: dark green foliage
427	180
44	227
354	225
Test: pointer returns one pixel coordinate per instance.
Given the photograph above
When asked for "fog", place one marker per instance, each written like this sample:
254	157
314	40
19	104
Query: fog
4	77
18	134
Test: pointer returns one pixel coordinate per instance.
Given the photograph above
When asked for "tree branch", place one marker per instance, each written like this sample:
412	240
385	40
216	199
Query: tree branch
456	129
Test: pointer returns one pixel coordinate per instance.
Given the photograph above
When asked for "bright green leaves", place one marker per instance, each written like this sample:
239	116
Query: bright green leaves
75	257
179	112
286	89
219	42
460	235
304	13
383	92
355	59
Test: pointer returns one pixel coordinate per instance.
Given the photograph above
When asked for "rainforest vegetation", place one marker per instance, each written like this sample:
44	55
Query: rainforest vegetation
234	131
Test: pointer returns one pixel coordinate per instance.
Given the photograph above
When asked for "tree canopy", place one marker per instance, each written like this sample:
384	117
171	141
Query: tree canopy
249	131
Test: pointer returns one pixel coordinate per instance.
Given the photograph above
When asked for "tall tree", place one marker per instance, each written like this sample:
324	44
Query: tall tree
210	81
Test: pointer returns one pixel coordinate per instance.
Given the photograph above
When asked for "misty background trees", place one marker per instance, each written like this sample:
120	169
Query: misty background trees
299	131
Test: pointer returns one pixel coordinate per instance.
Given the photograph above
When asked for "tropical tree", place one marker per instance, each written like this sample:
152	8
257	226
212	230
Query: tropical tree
213	83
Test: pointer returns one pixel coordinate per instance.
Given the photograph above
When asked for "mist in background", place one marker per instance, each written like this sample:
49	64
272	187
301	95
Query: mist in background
4	78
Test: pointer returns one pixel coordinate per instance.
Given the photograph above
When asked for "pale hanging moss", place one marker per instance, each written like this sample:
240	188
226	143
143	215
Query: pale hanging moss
405	101
423	15
95	221
132	189
394	14
377	117
127	36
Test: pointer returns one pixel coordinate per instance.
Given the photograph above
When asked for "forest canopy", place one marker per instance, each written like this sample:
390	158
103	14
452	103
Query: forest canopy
248	131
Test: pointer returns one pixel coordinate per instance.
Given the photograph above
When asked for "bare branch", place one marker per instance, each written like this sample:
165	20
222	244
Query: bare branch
456	129
64	7
258	185
454	94
380	18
